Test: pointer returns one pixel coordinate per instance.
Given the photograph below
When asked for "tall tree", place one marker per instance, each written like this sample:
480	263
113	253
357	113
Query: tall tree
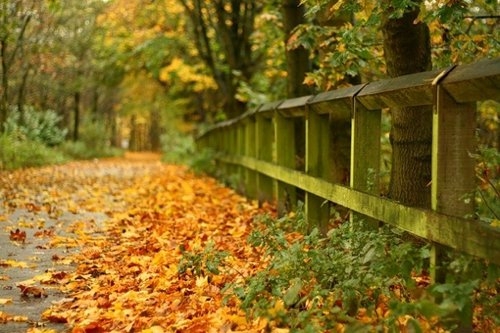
407	50
14	20
222	31
298	63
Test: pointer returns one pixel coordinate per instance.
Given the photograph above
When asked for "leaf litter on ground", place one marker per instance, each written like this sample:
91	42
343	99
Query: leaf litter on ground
171	243
127	276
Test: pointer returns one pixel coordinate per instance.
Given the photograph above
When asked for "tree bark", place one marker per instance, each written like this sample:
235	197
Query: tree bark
21	96
228	54
76	120
8	59
297	59
4	98
155	129
407	50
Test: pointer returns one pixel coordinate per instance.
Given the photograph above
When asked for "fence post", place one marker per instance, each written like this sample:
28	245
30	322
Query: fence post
222	148
250	151
317	159
284	155
453	179
233	146
365	154
239	177
264	143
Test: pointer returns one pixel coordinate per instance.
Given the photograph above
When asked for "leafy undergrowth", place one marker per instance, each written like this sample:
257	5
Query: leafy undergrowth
181	253
355	280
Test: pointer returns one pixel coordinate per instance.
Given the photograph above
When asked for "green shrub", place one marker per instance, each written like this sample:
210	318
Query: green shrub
352	277
94	135
38	126
203	161
94	143
487	194
16	153
79	150
180	148
177	148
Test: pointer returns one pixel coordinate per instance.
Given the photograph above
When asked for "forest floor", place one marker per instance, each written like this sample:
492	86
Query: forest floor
96	246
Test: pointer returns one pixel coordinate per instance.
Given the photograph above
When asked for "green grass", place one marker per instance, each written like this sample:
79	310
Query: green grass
81	151
16	154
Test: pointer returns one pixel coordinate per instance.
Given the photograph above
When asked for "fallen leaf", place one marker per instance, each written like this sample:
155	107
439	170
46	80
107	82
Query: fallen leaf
13	263
18	236
32	291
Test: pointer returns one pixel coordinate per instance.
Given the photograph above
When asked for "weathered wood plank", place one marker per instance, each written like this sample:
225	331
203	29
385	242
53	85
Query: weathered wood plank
240	150
251	151
336	103
453	175
264	143
284	155
472	237
407	90
365	153
294	107
317	161
474	82
267	109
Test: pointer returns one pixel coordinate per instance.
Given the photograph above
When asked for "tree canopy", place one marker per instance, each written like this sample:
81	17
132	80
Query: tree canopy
190	62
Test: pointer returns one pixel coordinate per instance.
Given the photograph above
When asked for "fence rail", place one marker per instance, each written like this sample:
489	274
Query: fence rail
260	147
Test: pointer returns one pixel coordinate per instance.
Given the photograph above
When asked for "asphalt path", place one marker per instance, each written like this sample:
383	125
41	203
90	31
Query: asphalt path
38	232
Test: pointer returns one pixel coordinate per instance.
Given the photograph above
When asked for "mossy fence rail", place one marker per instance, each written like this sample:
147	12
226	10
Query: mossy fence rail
260	146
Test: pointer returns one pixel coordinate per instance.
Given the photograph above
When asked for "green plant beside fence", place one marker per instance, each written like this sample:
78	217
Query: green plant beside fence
260	148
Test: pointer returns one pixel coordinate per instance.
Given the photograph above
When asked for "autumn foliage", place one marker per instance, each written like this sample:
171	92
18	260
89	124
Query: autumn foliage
175	252
127	276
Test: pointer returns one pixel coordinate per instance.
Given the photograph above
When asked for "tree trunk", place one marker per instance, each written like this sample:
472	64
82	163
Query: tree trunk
76	120
21	96
4	98
222	33
155	129
297	59
407	50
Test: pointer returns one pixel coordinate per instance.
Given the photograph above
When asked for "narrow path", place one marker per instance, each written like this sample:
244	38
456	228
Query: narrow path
120	245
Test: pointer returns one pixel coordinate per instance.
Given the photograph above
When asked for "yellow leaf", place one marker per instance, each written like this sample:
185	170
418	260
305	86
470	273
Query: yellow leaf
72	207
4	301
278	308
154	329
13	263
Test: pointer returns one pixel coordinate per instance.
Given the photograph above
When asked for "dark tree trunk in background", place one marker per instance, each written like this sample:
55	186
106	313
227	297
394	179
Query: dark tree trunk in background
76	120
297	59
340	128
4	97
9	52
95	103
222	31
298	64
155	130
133	134
21	96
407	50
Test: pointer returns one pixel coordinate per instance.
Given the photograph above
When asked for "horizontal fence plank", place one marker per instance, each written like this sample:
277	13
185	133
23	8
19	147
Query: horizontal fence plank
474	82
472	237
336	103
267	109
407	90
294	107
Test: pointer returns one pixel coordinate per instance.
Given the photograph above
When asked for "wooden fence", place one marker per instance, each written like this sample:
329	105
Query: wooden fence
260	147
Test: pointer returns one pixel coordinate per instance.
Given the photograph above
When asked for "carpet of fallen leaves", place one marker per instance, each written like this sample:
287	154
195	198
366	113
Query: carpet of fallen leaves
126	274
126	277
